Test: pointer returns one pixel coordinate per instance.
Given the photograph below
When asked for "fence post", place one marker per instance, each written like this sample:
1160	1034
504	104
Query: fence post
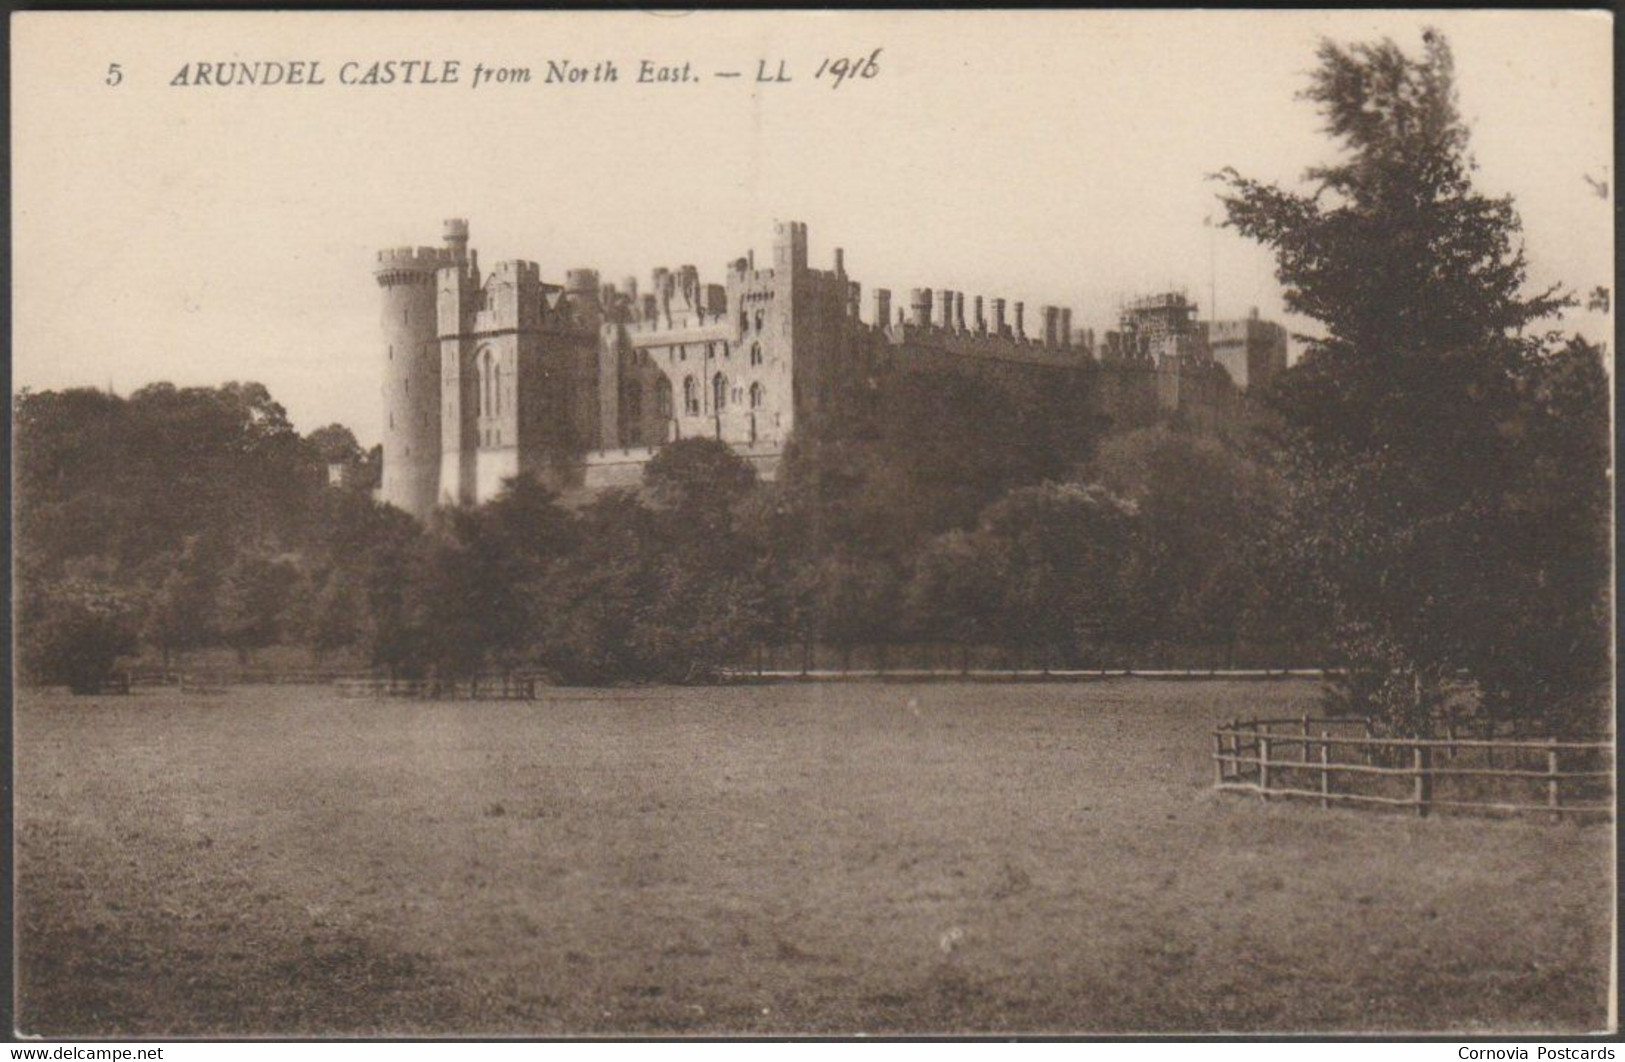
1553	794
1365	749
1218	757
1325	773
1304	723
1264	764
1423	760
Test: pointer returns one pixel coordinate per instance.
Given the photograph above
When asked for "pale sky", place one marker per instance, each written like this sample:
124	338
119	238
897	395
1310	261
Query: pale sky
201	235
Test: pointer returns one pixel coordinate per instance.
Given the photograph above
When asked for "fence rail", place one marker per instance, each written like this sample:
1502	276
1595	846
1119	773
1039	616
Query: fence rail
1303	758
494	688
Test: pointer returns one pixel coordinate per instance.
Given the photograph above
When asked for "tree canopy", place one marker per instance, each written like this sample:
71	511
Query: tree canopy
1418	427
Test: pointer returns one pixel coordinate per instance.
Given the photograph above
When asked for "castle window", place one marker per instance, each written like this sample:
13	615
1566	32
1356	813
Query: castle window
719	392
691	396
755	353
758	394
487	404
758	320
744	322
663	397
682	352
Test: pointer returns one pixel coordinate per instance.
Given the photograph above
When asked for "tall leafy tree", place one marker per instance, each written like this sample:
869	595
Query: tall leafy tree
1407	424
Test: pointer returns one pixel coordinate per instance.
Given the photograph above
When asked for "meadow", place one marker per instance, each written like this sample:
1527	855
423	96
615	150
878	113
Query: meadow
830	858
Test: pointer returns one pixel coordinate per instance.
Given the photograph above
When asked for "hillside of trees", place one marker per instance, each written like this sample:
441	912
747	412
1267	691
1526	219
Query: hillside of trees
927	509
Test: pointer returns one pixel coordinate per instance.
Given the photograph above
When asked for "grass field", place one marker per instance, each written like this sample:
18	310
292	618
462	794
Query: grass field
831	859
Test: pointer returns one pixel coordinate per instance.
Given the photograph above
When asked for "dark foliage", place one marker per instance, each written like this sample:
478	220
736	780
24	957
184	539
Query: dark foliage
1446	463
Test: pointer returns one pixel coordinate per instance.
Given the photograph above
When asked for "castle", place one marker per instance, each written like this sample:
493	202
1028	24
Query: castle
490	376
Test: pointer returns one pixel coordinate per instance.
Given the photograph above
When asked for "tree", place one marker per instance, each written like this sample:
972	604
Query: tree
588	605
955	591
254	593
333	621
708	607
1203	511
335	444
1067	550
479	572
699	479
76	629
1408	426
181	612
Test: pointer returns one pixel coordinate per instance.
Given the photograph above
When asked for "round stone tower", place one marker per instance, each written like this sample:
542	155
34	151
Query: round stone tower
411	391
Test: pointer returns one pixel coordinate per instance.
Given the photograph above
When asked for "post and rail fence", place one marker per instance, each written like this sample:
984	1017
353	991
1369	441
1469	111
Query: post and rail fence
1342	761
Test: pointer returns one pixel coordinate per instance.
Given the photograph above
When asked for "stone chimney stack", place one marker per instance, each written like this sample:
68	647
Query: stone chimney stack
882	307
1052	325
1066	326
919	303
1021	324
981	322
998	317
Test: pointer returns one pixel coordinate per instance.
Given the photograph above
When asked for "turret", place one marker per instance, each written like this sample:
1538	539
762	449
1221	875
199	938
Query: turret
455	233
411	385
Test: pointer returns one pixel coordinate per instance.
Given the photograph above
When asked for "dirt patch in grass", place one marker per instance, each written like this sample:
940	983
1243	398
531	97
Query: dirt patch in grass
782	859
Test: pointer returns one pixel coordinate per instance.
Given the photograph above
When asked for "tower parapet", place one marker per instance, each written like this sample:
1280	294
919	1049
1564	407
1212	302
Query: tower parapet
410	265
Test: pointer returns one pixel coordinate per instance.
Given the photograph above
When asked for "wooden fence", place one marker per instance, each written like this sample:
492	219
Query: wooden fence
490	688
247	676
947	659
1342	761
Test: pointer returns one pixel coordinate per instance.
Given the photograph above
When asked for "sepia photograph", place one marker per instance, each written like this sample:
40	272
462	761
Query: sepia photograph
804	524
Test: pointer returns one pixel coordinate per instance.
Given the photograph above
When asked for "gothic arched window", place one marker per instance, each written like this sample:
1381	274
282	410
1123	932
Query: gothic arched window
758	394
719	392
691	396
755	353
663	397
487	403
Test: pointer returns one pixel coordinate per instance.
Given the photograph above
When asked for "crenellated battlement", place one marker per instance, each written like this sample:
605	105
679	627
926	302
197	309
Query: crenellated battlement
411	265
